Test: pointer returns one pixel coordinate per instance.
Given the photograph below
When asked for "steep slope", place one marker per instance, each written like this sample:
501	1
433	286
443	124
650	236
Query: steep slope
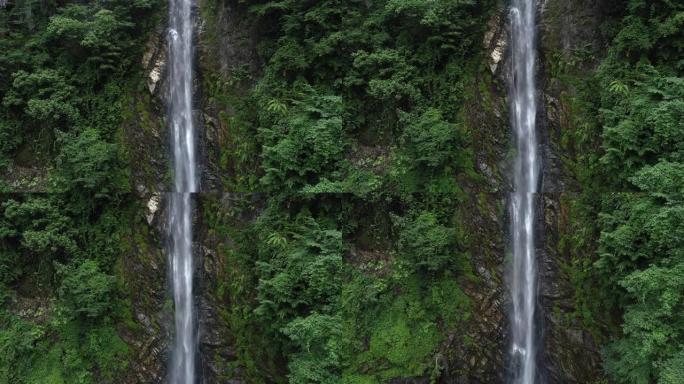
355	165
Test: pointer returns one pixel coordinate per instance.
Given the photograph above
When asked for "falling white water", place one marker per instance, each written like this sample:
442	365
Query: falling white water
180	38
524	343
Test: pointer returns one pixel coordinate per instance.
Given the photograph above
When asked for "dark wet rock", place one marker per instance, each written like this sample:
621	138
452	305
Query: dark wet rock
476	354
227	62
567	28
145	134
216	340
226	44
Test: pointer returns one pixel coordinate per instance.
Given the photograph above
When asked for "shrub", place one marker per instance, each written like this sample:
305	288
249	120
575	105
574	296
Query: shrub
426	244
85	289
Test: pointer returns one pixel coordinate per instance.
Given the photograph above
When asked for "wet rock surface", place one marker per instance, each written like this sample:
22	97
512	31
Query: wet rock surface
478	355
144	271
227	62
569	33
215	336
145	134
225	45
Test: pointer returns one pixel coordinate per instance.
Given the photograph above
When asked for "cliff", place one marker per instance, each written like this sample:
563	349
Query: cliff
229	66
355	172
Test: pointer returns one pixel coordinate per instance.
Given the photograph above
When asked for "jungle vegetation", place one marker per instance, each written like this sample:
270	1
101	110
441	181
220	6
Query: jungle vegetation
358	143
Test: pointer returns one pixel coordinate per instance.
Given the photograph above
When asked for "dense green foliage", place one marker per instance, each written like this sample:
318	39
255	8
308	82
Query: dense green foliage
359	123
632	172
348	260
63	76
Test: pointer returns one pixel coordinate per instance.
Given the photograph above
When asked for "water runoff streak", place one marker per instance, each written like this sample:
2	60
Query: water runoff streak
524	343
182	370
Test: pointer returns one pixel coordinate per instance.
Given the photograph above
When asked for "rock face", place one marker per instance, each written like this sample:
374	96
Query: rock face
569	34
228	65
144	271
568	29
144	264
146	135
216	340
226	47
483	359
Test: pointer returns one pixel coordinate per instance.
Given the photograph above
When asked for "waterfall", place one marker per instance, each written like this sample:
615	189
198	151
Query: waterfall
181	126
524	343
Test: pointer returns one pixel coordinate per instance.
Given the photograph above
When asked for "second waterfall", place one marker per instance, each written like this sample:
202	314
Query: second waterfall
523	101
181	53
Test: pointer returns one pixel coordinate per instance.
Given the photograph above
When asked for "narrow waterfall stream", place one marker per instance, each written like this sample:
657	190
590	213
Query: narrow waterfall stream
182	370
523	101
